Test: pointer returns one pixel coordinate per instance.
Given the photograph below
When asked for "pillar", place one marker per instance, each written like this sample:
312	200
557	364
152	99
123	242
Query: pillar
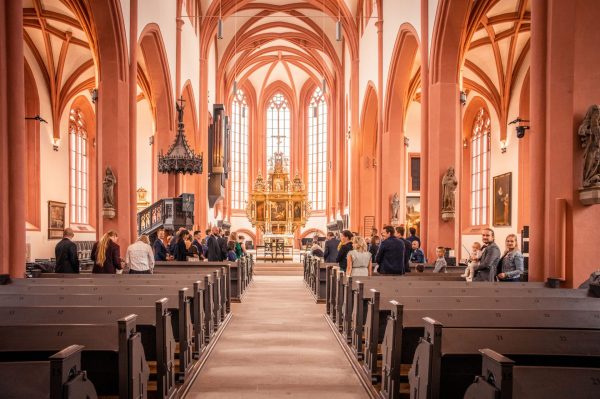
12	140
424	119
133	46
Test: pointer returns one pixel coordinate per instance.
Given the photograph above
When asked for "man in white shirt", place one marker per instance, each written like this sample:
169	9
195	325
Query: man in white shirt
139	256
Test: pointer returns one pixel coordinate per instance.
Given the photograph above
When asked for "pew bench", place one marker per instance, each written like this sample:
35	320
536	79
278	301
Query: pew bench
113	355
56	377
504	378
447	358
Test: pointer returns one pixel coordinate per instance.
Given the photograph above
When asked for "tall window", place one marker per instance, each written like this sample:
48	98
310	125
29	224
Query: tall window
239	151
79	167
317	150
480	168
278	126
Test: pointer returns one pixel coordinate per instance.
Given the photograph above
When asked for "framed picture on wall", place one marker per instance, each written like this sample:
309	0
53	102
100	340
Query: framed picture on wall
502	200
413	213
56	219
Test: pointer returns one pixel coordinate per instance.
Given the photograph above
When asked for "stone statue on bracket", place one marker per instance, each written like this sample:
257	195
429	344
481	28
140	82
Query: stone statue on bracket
395	209
108	194
589	137
449	184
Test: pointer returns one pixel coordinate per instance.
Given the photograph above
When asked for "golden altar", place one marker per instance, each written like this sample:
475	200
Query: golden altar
278	206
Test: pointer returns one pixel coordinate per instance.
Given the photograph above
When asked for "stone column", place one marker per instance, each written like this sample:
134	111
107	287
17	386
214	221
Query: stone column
12	140
424	176
133	46
201	197
379	198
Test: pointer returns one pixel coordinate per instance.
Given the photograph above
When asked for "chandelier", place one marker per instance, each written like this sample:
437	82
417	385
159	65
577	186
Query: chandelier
180	157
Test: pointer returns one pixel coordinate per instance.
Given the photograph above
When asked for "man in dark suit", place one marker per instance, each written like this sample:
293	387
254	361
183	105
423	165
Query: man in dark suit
331	248
390	256
342	256
196	243
65	252
223	241
214	252
400	231
160	251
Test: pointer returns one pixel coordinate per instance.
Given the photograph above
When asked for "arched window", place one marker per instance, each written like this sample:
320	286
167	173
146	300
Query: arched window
78	167
317	151
480	168
278	126
239	151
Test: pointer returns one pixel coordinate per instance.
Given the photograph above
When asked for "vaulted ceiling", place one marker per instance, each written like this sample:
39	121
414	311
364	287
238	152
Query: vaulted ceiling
495	50
284	41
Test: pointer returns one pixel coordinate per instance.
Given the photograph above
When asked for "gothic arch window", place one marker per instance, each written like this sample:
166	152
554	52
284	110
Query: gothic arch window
480	168
278	126
317	150
239	151
78	161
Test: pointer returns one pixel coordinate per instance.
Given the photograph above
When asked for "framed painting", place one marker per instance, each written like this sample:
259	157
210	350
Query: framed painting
502	200
56	219
260	211
297	211
278	211
413	213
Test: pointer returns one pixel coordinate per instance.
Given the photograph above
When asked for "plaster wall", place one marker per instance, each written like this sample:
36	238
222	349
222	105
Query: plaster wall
126	12
190	65
164	14
368	55
144	158
412	129
396	13
432	10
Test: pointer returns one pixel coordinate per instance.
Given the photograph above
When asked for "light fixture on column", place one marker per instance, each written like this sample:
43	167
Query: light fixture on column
94	95
234	87
406	141
503	145
463	97
465	143
324	86
520	128
338	31
55	143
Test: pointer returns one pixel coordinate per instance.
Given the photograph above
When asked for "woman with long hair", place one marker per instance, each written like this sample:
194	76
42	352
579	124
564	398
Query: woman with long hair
106	254
511	266
359	259
181	251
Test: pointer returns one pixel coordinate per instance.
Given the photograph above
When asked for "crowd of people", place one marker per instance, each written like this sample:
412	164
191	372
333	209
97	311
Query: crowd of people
140	257
394	253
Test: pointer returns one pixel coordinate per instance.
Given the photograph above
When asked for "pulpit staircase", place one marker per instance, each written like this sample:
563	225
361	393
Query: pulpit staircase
168	214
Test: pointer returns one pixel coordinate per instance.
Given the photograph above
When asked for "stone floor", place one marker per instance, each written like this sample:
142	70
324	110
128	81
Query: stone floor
278	344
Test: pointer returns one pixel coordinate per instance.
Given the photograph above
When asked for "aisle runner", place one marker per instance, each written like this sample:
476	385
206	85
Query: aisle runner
277	345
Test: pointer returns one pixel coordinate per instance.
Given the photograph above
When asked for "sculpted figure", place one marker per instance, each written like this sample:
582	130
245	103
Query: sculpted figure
589	136
449	184
395	206
108	194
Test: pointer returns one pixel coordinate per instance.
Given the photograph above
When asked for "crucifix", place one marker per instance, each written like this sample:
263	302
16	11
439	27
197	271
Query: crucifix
180	105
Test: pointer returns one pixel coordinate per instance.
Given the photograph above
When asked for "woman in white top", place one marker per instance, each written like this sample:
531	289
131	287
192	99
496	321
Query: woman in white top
359	259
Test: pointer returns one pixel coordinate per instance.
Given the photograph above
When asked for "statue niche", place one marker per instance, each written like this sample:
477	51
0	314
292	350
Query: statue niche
589	137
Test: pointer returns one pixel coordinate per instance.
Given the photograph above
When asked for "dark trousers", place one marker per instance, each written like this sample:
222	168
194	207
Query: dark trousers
140	272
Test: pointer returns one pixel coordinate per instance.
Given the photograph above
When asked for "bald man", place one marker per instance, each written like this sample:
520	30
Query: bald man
65	252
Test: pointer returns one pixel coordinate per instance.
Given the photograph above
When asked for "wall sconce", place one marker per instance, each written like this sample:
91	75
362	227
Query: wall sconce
503	146
94	143
349	134
220	29
374	162
465	143
151	140
520	128
338	31
463	97
406	141
55	143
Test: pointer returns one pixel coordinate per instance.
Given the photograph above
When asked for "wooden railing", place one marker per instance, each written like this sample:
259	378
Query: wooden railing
167	213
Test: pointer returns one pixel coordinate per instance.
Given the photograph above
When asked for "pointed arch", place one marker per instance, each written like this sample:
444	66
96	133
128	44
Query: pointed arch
32	131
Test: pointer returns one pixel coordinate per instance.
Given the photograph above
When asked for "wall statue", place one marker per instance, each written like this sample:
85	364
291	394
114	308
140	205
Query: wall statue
108	193
449	184
589	136
395	207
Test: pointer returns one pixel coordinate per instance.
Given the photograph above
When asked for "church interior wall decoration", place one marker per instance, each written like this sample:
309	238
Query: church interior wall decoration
56	219
502	199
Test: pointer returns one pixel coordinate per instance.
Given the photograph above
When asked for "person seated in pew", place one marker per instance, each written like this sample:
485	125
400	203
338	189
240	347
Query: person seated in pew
67	260
359	259
159	247
490	256
106	254
474	257
440	263
374	247
139	257
511	264
231	256
418	256
390	256
331	248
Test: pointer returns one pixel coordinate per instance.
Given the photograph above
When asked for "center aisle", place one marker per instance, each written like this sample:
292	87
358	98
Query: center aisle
277	344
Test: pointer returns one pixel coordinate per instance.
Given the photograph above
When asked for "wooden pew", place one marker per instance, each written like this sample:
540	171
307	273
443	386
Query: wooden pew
57	377
153	322
215	303
113	356
446	360
181	317
504	378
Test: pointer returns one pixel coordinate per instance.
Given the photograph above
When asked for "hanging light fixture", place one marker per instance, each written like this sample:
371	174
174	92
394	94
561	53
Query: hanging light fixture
338	31
324	86
220	24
